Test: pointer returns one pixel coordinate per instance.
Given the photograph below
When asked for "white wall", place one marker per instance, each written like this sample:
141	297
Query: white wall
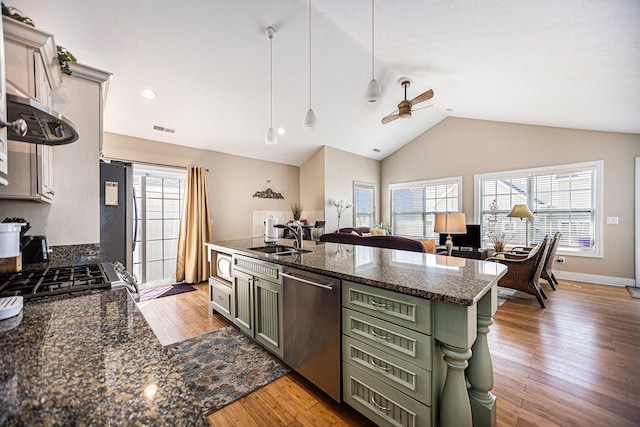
466	147
231	180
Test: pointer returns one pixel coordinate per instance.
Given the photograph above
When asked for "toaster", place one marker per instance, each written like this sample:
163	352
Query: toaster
34	249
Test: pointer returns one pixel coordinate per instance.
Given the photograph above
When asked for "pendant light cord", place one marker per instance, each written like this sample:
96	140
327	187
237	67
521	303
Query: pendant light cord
309	54
372	44
271	80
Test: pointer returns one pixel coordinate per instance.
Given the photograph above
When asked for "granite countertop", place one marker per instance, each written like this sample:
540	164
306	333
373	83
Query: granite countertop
453	280
89	360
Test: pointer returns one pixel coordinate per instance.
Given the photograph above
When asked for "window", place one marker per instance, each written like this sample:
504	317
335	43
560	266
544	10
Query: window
565	198
414	205
364	204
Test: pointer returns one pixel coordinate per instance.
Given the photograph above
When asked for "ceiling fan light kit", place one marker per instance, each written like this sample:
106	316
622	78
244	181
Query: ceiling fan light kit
271	138
373	94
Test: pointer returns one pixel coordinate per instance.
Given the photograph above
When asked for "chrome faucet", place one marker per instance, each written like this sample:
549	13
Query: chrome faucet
297	233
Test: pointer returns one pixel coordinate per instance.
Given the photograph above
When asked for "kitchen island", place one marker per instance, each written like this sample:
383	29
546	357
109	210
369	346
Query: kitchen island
89	360
462	298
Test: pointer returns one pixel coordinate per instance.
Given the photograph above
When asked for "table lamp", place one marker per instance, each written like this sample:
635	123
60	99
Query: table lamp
450	223
522	212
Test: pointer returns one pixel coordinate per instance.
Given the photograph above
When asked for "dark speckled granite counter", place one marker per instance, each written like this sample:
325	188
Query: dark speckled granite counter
89	360
454	280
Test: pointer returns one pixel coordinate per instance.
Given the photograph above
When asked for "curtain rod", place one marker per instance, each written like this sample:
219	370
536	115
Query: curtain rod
147	163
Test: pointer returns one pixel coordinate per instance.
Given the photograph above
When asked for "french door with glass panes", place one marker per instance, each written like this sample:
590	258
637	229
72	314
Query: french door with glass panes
159	194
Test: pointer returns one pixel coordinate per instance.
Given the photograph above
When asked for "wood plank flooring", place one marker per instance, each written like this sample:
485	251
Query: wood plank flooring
574	363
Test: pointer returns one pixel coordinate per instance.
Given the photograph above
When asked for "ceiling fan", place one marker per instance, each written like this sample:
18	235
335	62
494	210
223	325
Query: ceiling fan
406	107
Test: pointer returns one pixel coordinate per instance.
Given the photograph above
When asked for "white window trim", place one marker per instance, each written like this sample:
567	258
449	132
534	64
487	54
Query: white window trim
598	251
375	199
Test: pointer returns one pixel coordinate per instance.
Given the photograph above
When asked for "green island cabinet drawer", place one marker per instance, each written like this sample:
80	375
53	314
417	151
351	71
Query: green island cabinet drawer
220	297
405	310
403	343
403	376
263	269
381	403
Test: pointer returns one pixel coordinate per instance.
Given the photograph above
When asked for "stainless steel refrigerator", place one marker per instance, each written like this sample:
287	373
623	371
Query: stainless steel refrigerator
117	213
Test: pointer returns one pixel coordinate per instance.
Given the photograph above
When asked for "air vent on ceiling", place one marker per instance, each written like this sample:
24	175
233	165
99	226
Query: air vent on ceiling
377	150
164	129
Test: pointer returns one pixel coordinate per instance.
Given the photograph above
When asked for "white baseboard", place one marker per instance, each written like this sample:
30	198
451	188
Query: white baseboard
595	278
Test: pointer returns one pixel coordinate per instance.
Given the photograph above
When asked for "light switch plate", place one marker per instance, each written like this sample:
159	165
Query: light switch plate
612	220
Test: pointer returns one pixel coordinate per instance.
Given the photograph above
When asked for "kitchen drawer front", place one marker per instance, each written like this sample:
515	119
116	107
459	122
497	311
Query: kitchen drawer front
406	344
399	374
405	310
255	267
220	297
380	403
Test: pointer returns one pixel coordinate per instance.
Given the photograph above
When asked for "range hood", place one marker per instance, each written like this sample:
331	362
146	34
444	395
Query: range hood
43	125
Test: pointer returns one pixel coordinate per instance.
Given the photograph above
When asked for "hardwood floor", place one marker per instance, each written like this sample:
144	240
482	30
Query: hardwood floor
571	364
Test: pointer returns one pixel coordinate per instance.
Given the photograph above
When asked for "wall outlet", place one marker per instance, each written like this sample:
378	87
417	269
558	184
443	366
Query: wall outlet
561	259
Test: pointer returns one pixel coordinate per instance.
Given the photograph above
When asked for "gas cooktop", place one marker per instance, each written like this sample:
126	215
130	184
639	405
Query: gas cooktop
53	281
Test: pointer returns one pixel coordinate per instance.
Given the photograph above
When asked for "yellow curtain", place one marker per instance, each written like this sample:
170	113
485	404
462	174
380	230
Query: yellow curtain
195	229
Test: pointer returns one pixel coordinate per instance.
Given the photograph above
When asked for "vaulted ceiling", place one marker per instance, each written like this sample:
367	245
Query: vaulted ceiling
570	63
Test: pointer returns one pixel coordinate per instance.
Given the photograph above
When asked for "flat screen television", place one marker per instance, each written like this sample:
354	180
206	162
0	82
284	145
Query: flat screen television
470	240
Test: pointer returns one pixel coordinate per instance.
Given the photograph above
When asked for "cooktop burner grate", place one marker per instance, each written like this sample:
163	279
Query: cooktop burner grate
52	281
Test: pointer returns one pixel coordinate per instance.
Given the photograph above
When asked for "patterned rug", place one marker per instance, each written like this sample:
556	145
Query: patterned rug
223	366
164	291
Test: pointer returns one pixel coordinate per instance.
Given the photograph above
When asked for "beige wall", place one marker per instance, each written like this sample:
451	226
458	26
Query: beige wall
231	181
464	147
74	215
312	196
341	170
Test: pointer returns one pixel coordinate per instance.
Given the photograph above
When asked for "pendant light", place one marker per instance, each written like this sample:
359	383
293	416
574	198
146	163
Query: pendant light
272	137
373	95
310	120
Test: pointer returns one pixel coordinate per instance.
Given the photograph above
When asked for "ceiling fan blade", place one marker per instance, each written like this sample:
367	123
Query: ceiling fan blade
423	97
421	108
390	118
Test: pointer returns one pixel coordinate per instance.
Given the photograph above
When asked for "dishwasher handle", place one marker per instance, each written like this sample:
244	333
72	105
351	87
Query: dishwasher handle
308	282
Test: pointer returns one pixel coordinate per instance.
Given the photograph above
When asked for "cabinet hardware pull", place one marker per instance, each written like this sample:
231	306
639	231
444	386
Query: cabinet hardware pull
380	407
373	362
309	282
380	305
384	337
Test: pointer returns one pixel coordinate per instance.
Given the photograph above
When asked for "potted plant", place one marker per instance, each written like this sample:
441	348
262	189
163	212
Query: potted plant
383	226
296	210
498	240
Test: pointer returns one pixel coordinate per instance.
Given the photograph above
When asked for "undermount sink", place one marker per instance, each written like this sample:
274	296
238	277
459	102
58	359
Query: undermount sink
279	250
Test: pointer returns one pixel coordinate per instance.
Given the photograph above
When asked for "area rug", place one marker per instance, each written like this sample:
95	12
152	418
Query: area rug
164	291
633	291
504	294
223	366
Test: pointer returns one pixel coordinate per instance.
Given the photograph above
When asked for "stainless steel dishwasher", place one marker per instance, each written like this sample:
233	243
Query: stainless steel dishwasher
311	328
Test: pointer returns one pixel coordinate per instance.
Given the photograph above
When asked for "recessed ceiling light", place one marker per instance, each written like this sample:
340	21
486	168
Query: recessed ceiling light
148	94
282	131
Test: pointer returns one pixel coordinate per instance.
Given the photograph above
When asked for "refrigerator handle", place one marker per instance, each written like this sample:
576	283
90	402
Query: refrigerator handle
135	221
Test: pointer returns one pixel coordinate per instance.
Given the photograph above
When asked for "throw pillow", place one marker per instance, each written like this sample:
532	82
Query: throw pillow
375	232
429	245
366	234
354	232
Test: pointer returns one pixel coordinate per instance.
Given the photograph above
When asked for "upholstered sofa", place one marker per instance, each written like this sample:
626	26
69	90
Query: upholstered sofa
346	235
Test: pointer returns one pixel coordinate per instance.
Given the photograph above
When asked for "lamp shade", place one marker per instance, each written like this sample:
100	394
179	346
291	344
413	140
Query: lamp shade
450	223
520	211
373	95
271	138
310	121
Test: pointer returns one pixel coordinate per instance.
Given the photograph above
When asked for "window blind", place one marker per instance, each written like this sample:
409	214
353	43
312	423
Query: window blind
364	204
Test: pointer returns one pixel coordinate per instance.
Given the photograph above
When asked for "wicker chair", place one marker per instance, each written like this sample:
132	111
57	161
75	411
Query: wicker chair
547	270
523	274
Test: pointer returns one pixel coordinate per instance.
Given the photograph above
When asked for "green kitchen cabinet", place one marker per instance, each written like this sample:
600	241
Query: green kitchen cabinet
256	301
